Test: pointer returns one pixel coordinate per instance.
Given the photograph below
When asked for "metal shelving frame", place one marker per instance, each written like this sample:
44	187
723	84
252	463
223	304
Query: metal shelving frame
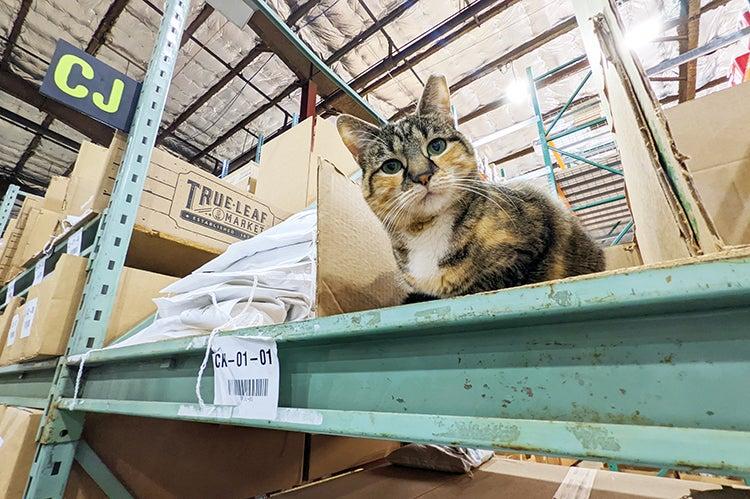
646	366
547	137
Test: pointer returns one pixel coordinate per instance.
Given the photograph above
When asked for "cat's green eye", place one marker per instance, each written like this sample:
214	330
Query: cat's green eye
391	167
436	146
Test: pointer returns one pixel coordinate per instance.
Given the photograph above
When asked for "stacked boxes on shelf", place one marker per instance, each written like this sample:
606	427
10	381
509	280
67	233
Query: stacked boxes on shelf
39	326
187	216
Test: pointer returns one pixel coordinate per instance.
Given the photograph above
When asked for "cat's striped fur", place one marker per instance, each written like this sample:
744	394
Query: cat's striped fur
453	234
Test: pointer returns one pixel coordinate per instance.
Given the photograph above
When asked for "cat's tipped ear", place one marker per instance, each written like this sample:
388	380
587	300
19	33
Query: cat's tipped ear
436	97
355	133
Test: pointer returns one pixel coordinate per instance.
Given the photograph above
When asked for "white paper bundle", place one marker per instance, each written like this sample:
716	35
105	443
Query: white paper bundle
268	279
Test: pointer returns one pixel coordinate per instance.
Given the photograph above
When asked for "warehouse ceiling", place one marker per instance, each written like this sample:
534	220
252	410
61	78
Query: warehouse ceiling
228	87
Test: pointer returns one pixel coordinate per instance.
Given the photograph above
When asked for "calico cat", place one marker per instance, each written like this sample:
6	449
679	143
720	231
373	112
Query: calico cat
452	233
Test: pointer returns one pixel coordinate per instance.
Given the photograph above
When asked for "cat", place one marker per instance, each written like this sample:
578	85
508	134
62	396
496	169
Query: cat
452	233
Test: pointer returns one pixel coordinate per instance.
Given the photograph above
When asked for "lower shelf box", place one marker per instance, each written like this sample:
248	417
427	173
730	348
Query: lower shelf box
40	327
17	433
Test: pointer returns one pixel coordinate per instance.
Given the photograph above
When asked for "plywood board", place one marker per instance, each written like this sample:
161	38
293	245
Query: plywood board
671	222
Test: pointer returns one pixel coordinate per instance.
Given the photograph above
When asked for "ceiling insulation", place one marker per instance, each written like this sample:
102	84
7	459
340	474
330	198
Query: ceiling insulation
499	48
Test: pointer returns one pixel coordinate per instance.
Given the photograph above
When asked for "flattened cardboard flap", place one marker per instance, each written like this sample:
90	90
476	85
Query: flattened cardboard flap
356	267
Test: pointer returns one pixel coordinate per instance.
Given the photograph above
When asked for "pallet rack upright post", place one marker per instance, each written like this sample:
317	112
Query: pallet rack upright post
60	430
6	208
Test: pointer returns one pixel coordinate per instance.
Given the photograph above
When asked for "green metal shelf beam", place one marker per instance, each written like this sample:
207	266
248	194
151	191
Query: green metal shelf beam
620	367
580	158
60	431
565	108
578	128
93	465
311	56
598	202
622	233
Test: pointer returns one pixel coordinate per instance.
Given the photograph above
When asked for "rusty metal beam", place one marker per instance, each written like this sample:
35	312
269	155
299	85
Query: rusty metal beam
559	29
233	72
496	104
666	100
196	23
301	12
27	92
690	10
369	31
105	26
215	88
15	32
434	40
246	120
334	57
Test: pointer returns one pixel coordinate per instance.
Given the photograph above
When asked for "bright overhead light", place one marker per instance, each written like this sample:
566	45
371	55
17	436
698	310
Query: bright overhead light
518	91
643	32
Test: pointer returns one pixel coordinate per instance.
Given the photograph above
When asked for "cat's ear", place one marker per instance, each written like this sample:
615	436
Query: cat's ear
355	133
436	98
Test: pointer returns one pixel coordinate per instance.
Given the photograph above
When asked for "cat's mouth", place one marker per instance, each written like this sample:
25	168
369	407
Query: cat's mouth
429	197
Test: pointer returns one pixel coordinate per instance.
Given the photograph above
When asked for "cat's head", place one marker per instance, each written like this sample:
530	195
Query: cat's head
415	167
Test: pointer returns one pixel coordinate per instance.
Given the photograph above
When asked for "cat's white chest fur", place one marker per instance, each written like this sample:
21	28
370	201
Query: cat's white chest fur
426	249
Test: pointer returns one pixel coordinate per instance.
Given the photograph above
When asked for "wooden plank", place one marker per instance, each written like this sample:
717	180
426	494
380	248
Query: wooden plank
671	222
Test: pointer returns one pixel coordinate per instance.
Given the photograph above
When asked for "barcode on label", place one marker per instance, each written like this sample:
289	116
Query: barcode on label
254	387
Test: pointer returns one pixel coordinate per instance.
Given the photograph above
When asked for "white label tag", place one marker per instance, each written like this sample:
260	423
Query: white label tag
74	243
39	271
28	317
9	291
577	484
246	374
12	331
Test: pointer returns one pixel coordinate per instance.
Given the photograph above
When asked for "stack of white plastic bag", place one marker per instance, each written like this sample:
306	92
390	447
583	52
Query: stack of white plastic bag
268	279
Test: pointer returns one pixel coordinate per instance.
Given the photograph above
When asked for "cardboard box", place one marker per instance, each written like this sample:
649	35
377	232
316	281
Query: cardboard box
289	163
330	454
44	321
622	256
54	198
8	247
41	226
713	132
181	459
18	428
245	178
500	478
52	304
6	319
187	216
134	300
9	265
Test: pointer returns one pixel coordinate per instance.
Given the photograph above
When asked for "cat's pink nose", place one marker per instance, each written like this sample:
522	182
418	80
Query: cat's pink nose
424	179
